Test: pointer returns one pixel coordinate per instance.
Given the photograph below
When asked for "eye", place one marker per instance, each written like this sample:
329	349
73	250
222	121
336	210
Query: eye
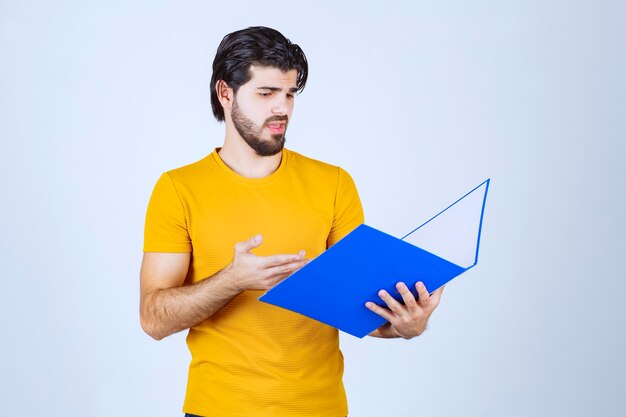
291	96
265	94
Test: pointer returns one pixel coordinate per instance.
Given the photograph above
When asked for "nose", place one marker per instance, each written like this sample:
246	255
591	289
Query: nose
281	106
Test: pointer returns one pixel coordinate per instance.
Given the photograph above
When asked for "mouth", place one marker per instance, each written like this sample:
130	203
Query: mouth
277	128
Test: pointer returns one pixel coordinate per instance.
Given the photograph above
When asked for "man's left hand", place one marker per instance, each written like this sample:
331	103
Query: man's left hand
408	320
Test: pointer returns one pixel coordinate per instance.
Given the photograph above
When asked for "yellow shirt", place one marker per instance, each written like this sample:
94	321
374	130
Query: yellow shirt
251	358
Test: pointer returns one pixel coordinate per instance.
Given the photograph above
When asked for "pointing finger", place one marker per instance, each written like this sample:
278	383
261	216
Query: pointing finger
391	302
285	268
275	260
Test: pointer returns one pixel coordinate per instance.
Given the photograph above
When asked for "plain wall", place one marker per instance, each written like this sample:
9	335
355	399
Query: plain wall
419	101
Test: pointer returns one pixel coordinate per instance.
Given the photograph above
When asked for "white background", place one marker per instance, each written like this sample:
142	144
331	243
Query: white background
419	101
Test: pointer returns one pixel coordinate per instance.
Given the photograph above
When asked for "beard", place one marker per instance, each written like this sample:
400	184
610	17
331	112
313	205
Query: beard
253	135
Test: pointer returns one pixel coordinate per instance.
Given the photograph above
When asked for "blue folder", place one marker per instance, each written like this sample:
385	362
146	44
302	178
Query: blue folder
334	287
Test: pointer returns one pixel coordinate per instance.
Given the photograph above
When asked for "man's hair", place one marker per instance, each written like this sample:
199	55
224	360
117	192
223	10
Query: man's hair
259	46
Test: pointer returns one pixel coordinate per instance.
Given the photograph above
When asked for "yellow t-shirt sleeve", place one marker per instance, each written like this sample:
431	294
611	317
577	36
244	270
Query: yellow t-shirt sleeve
166	223
348	210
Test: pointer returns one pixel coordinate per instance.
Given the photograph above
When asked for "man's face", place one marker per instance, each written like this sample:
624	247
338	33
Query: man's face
262	108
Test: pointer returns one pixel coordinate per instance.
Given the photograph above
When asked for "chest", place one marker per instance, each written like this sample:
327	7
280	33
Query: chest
290	217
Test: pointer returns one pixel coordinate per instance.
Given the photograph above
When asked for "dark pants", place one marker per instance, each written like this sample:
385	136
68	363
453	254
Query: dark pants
191	415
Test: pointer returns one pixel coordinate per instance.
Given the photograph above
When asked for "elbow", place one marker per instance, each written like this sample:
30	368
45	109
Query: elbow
155	335
151	330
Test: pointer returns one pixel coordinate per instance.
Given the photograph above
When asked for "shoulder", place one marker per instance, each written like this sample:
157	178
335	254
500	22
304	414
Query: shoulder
315	167
190	172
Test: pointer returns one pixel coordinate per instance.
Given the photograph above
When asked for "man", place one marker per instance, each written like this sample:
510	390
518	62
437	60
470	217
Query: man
223	230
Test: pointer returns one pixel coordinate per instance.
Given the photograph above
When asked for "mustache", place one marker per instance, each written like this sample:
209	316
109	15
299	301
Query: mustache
277	119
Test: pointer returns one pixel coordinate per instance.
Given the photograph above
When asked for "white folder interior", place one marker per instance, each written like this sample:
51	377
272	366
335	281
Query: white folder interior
454	233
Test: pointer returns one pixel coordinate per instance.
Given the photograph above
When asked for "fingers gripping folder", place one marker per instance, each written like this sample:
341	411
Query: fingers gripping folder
334	287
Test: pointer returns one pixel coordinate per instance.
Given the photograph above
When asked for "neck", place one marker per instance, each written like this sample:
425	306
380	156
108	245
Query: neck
242	159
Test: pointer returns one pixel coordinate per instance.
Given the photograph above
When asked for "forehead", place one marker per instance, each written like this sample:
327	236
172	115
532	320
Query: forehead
272	77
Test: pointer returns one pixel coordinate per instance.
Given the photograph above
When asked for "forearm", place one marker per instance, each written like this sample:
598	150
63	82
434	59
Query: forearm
170	310
385	331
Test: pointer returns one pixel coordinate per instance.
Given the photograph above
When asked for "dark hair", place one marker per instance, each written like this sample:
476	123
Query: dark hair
261	46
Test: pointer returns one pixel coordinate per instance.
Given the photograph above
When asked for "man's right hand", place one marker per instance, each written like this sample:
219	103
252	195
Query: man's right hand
168	306
248	271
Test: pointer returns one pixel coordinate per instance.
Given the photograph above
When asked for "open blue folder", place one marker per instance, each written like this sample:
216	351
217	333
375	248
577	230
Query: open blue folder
334	287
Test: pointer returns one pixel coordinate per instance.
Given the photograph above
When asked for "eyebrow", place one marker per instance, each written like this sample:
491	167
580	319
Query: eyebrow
274	89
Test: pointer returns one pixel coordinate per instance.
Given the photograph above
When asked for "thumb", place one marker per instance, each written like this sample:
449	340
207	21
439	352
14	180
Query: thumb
436	296
248	245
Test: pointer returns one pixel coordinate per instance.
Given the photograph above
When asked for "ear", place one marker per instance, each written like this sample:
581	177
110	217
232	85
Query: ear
225	94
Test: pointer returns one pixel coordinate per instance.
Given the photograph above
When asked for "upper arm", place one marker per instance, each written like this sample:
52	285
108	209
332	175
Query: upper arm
348	210
167	245
161	270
